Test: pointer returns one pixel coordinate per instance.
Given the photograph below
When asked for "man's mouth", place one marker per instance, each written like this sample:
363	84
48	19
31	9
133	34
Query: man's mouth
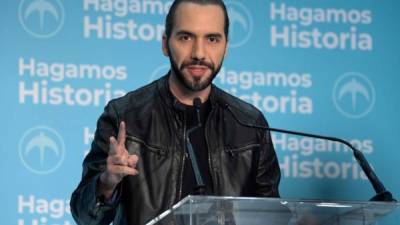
197	70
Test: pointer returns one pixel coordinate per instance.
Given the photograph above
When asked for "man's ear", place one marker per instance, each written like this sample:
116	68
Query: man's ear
165	45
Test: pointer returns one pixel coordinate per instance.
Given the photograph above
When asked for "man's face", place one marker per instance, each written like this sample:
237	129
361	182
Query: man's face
197	44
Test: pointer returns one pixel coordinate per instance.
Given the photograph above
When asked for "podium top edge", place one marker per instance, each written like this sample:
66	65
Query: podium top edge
283	201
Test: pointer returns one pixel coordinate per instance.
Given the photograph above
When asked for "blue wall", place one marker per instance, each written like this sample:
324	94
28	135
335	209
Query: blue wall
327	67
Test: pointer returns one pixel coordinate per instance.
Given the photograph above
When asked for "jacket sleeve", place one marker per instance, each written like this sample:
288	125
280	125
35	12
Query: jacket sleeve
85	205
268	173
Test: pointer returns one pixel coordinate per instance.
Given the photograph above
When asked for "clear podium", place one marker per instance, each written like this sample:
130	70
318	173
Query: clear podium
211	210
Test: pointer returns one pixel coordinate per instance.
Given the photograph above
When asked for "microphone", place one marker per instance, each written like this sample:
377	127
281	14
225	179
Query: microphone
382	194
200	186
197	104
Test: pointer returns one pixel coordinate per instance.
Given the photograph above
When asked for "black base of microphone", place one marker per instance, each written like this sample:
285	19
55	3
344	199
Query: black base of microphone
385	196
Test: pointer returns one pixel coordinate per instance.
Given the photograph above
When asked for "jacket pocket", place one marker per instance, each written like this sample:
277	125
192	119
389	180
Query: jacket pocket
139	147
155	174
153	160
240	158
239	150
238	167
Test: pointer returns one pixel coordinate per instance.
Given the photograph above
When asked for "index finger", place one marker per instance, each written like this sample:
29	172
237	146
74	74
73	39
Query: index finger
121	134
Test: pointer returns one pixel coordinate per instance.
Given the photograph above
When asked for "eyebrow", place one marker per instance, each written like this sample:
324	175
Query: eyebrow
218	35
185	32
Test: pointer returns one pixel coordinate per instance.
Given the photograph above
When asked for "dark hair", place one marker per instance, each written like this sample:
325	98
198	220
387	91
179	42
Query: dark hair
170	19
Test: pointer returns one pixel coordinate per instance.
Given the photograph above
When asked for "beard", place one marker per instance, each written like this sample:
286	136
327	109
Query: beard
195	84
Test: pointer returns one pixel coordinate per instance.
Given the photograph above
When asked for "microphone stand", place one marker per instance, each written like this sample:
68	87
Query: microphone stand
200	186
381	193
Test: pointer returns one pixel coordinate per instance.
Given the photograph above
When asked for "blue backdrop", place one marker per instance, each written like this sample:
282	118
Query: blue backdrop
326	67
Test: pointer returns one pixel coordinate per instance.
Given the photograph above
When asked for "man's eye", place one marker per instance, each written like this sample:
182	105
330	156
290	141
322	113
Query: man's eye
184	37
213	39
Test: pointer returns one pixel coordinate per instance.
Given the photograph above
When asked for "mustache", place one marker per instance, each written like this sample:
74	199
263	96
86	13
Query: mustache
197	63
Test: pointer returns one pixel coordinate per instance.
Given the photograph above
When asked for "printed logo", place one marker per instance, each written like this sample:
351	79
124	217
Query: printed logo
41	150
354	95
159	72
241	24
41	18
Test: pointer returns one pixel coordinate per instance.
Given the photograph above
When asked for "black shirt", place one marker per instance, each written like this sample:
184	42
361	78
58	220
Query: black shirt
198	140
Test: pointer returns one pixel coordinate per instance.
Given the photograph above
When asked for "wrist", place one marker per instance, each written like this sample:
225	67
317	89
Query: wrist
104	188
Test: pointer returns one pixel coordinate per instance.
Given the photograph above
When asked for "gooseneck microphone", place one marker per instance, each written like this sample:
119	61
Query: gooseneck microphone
200	186
381	193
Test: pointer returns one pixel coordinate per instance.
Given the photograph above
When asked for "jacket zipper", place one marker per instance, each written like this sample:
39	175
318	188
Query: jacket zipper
183	157
209	150
242	148
151	148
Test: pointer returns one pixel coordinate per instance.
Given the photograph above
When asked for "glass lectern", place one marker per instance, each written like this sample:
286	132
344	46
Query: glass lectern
210	210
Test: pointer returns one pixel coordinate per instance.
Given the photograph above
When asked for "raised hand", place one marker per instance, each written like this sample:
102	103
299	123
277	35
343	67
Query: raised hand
119	163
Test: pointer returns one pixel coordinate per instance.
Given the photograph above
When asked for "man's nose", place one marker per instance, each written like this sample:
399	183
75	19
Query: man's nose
198	51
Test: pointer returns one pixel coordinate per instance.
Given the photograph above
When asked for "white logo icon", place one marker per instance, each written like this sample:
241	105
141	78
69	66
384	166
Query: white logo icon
41	18
159	72
241	24
41	150
354	95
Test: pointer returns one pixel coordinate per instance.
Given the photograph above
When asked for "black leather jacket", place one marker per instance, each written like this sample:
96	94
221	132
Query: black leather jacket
242	159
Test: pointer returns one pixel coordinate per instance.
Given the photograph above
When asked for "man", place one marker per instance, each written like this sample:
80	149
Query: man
138	165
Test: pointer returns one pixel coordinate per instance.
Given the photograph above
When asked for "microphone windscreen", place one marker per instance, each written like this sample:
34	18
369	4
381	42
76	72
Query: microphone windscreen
197	102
